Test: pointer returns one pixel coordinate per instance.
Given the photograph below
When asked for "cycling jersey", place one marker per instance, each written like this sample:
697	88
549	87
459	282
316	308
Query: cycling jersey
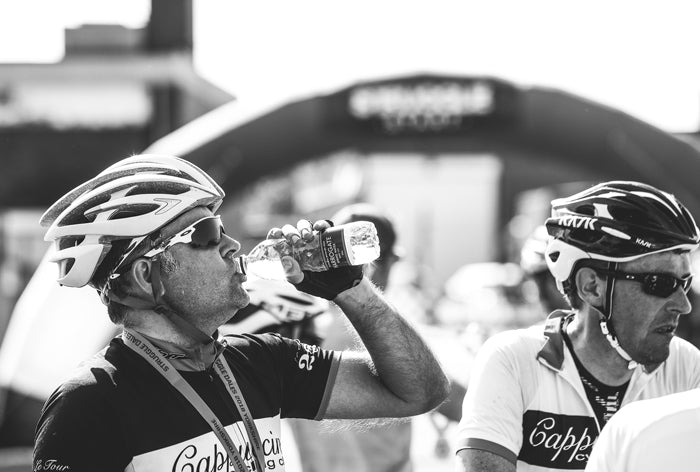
526	401
117	413
651	435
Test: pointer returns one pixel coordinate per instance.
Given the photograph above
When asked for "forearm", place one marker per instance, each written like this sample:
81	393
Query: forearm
404	363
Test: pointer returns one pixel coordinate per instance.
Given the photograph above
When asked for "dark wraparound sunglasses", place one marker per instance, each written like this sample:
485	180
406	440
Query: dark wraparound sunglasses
658	285
200	234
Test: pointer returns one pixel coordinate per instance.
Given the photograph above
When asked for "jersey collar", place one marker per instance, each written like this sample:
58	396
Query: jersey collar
188	360
552	352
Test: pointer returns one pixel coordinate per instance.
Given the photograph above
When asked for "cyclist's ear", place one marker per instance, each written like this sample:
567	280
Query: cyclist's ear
590	286
140	271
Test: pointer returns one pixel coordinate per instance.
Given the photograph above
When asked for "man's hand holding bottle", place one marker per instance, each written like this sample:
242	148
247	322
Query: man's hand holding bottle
304	238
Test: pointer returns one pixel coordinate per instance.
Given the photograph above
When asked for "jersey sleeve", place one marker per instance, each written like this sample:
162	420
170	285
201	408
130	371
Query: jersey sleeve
77	431
492	410
306	374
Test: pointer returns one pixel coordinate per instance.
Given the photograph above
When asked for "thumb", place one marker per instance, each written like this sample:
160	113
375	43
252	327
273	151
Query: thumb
292	270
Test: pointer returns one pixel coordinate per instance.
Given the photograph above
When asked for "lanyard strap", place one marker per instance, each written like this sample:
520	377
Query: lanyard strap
145	349
234	391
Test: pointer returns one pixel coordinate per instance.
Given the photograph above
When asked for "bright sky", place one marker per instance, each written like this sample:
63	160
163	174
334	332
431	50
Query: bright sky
639	56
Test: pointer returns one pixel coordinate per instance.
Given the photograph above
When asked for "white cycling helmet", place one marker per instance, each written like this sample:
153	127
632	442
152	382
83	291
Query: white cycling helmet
273	303
127	201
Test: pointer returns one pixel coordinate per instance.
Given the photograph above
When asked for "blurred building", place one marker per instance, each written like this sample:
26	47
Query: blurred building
116	91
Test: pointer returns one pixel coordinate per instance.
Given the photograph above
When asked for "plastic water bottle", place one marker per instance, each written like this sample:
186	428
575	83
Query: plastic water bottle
353	243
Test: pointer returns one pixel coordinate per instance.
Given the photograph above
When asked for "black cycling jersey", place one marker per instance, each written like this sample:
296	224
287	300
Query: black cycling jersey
117	413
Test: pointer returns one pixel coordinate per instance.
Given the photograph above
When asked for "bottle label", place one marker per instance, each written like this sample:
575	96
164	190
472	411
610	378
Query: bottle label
333	248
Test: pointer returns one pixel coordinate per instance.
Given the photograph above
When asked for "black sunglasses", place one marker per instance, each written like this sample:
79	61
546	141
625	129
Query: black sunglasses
202	233
658	285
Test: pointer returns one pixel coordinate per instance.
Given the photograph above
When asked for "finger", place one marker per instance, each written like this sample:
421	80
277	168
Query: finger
305	230
291	234
292	270
322	225
274	233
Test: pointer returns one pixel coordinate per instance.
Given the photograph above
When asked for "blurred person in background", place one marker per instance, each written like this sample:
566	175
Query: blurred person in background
168	394
534	265
277	306
538	397
651	435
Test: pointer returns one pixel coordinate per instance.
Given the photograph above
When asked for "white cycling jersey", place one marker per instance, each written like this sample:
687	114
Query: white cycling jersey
651	435
526	401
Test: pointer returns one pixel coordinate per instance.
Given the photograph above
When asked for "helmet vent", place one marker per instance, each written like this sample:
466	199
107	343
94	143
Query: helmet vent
65	266
586	210
585	236
134	210
71	241
169	188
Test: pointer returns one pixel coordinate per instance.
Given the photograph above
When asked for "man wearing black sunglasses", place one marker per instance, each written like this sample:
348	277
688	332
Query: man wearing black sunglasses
167	394
620	254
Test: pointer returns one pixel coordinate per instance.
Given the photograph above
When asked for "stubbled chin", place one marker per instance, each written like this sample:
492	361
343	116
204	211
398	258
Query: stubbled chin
661	350
241	297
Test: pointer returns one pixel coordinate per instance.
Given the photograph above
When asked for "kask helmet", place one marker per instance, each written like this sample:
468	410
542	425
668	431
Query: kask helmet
127	201
616	221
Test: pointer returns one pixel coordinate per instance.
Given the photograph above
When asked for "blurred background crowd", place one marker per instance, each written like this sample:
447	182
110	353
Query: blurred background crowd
461	122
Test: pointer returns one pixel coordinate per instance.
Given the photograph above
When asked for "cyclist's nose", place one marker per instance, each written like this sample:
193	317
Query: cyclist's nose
681	298
228	244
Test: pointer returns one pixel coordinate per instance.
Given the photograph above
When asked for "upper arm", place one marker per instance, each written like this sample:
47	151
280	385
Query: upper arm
305	372
476	460
359	393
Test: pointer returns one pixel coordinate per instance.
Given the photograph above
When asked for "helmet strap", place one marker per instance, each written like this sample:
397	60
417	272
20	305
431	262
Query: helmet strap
606	324
157	304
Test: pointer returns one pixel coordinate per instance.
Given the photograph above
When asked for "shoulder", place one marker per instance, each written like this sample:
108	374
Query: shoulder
96	370
516	342
513	353
648	414
260	342
648	425
656	434
87	386
682	349
110	373
270	348
682	367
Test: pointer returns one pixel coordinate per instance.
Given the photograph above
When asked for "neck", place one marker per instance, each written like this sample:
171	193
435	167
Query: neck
594	351
157	326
